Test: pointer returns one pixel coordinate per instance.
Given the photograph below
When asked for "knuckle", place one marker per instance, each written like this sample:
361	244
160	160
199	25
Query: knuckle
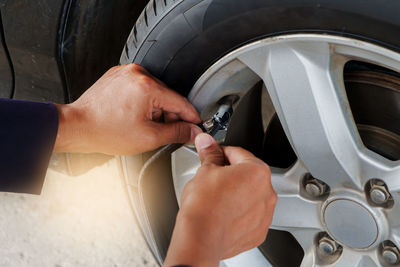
181	133
136	66
133	67
273	198
146	80
270	200
127	68
265	168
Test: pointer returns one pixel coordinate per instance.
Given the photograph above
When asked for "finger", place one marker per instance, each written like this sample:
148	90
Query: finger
177	132
156	115
172	102
236	155
170	117
209	151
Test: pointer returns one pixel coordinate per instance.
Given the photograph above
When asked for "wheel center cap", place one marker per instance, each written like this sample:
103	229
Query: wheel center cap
350	223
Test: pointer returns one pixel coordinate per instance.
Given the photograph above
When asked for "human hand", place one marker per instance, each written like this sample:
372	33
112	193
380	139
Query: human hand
225	210
120	114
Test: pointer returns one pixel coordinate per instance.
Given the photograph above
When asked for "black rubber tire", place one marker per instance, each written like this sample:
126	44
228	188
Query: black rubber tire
178	40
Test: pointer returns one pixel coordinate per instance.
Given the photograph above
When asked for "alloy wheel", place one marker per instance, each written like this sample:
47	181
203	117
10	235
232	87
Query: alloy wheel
338	180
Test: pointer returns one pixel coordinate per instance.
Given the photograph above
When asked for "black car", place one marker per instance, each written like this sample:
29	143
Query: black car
54	50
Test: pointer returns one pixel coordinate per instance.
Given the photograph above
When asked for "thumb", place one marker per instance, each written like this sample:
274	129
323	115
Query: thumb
209	151
176	132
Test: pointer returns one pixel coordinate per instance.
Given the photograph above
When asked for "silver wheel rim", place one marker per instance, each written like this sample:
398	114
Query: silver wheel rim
311	103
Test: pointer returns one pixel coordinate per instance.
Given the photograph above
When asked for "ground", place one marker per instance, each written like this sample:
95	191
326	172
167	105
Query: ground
80	220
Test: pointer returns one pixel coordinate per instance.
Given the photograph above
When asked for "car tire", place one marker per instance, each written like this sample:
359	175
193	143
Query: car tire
177	41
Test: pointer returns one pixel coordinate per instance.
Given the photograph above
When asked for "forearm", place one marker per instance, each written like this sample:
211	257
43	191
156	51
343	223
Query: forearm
193	243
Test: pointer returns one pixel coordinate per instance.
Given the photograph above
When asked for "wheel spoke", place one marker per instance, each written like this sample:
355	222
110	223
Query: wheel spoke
353	258
305	83
288	181
292	211
306	239
391	176
308	259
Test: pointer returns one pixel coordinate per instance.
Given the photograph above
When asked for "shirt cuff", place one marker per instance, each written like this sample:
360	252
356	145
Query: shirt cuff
28	132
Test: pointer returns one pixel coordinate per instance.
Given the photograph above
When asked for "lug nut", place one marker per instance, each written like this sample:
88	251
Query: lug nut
314	187
327	245
378	196
391	254
378	192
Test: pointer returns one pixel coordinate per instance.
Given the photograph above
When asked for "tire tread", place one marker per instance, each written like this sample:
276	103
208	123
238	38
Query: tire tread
148	19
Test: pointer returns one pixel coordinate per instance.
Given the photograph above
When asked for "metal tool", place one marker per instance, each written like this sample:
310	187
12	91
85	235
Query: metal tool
219	121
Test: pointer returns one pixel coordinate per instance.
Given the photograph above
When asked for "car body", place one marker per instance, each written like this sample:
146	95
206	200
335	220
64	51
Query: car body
53	50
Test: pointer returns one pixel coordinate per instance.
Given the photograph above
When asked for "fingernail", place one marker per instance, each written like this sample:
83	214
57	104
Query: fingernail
203	141
195	130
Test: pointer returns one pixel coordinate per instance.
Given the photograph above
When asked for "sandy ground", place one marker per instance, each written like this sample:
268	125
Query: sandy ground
77	221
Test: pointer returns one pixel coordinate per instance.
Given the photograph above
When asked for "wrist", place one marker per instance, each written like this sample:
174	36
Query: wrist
70	131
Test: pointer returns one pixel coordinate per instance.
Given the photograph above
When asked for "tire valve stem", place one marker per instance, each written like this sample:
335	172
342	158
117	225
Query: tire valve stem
219	121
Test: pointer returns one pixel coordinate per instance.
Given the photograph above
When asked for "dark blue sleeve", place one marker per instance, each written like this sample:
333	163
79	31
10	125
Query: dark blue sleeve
27	134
